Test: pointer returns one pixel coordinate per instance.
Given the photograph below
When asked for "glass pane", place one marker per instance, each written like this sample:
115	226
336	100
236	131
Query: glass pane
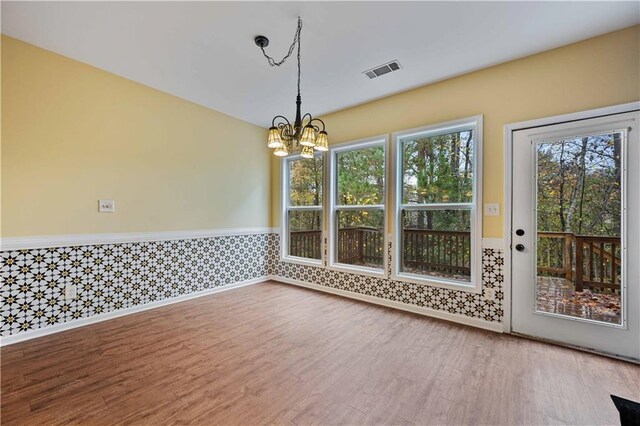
579	216
438	169
361	176
305	233
437	243
305	182
360	237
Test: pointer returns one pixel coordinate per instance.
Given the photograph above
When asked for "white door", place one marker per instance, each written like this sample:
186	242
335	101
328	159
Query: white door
576	235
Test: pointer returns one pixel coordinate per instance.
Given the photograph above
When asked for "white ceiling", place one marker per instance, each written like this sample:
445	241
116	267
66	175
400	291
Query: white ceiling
204	51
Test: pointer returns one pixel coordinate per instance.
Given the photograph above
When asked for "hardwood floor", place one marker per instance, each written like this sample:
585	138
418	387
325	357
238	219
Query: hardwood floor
274	353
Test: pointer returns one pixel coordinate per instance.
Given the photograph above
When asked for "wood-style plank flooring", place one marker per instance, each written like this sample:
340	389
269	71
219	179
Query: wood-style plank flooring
274	353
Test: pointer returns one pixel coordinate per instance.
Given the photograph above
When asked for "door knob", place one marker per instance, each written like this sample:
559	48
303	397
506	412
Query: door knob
520	247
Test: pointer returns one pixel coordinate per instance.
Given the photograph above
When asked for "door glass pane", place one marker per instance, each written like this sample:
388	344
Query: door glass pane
360	237
305	182
437	243
438	168
360	175
305	233
579	217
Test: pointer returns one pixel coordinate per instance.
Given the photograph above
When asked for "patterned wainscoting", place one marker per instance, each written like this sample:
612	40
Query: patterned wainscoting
112	277
118	276
441	299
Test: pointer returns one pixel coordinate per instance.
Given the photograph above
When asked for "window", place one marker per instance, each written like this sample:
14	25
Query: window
438	191
357	226
302	236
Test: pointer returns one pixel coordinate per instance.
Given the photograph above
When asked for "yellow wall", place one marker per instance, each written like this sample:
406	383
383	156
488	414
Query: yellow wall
599	72
72	134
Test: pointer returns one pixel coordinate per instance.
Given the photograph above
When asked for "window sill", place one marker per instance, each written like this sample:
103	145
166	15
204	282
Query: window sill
301	261
471	287
358	270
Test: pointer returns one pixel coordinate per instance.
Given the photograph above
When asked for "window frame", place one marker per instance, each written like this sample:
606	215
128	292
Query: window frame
333	207
474	123
286	208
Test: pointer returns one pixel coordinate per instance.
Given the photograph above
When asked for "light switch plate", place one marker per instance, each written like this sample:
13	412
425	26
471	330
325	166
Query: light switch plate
492	209
107	206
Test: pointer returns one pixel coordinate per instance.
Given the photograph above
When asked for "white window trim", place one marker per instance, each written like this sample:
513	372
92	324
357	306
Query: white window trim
475	286
285	208
382	140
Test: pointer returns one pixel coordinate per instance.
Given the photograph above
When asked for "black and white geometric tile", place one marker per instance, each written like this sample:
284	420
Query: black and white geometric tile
118	276
451	301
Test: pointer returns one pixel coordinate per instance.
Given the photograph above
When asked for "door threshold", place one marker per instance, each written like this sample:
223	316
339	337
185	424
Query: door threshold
576	347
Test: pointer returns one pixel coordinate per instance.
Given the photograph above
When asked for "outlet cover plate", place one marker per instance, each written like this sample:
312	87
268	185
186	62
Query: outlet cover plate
70	292
107	206
490	294
492	209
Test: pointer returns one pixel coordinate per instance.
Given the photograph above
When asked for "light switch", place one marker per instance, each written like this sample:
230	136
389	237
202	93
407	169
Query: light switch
106	206
492	209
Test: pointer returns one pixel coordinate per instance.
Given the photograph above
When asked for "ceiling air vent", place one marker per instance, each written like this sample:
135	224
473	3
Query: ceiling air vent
383	69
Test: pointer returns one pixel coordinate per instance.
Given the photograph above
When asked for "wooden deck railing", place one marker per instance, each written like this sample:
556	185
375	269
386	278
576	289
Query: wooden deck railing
597	259
356	246
588	261
436	251
447	252
306	244
360	246
555	254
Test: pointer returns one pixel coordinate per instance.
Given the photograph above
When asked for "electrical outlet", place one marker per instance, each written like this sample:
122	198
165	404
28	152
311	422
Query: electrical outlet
70	292
106	206
490	294
492	209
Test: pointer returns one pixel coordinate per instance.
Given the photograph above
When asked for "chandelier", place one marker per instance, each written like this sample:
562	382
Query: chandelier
306	134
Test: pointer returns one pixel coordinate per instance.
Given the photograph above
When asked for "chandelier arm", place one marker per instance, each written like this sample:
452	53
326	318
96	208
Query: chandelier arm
286	130
317	119
273	122
304	117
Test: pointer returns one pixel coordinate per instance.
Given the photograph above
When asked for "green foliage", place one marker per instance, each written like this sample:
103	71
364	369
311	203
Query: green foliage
361	218
361	177
305	182
438	169
579	187
438	220
305	189
361	182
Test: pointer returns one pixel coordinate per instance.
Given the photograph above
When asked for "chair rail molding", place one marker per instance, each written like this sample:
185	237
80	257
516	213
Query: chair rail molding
73	240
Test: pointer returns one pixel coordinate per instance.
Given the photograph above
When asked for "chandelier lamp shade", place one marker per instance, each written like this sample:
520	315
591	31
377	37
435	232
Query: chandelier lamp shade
307	134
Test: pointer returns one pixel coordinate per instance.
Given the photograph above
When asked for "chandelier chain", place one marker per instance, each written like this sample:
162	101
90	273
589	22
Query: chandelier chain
296	40
299	31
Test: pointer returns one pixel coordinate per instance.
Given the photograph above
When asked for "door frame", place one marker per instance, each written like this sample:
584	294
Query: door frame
509	129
